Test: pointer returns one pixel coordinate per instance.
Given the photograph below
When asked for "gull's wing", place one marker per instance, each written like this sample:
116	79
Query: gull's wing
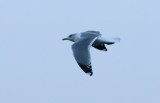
81	52
101	41
90	33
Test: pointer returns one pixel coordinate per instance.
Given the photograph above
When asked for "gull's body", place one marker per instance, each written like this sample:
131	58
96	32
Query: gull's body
83	42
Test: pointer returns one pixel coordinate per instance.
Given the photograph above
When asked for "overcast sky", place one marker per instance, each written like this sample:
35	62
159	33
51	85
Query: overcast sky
36	66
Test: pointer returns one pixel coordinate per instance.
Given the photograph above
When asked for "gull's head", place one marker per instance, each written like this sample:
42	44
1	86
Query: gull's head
72	37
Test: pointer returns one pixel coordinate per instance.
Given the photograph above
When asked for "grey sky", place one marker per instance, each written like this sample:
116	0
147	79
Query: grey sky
36	66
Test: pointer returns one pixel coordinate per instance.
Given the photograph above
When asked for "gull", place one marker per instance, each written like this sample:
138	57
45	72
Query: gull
81	47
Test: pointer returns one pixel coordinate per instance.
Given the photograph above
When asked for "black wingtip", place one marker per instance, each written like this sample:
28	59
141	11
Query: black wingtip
105	49
110	43
86	69
91	73
100	47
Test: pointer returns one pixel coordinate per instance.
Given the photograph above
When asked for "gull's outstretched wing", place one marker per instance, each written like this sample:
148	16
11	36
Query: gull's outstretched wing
81	52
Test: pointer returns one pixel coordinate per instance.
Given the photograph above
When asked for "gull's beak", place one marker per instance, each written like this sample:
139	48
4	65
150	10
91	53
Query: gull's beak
65	39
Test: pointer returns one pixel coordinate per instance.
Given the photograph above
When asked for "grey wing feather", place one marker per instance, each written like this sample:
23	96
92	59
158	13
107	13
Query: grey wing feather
96	32
90	33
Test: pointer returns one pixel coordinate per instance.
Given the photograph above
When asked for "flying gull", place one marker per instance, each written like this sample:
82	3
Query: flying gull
83	42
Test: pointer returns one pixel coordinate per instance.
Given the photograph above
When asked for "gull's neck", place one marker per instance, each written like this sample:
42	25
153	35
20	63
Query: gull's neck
77	37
